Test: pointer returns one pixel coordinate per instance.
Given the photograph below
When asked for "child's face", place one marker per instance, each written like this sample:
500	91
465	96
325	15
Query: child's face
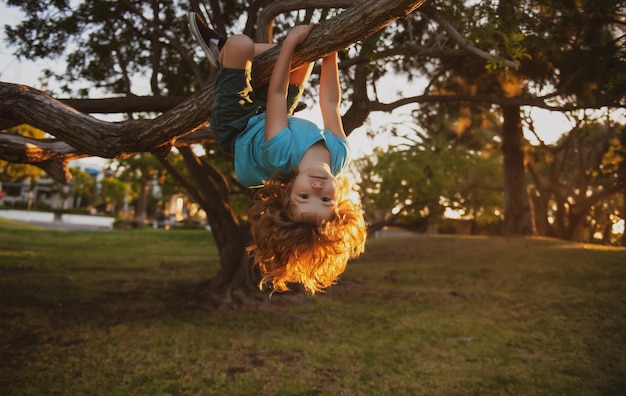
313	195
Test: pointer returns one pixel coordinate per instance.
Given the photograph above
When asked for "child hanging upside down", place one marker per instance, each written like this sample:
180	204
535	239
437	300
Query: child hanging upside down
304	226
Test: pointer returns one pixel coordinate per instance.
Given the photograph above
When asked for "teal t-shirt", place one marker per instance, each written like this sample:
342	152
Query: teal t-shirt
257	160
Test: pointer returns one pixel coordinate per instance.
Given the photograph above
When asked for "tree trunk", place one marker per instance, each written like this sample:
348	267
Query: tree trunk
540	212
624	205
575	226
517	211
539	200
142	202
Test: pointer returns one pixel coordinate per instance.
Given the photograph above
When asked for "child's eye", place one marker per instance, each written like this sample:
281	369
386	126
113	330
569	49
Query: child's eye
326	199
304	196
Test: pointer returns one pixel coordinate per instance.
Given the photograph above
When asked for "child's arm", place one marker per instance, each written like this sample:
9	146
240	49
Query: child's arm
330	95
276	111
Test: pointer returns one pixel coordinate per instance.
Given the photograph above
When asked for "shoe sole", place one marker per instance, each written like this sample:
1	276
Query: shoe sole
195	31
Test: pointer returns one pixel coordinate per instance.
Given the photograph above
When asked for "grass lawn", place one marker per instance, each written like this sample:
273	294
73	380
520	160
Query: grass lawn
122	313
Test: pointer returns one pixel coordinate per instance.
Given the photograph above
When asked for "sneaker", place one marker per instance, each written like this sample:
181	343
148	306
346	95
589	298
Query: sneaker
210	41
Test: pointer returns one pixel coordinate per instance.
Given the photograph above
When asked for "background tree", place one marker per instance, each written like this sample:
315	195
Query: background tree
84	189
577	184
412	184
115	194
141	172
570	55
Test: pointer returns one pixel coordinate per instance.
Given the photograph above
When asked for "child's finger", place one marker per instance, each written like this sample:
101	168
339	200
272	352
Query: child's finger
311	26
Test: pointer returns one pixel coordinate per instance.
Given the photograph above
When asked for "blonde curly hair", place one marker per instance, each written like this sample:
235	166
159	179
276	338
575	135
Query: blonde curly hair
311	254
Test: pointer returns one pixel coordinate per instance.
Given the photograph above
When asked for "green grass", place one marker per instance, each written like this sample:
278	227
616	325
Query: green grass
123	313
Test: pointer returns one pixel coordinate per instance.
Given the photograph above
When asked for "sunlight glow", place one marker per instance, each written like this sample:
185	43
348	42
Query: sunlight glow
354	197
452	213
179	209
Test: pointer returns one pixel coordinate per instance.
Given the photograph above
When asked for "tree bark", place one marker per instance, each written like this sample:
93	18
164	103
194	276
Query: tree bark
142	202
518	219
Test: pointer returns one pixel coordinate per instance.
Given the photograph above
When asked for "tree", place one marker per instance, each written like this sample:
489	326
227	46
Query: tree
411	185
140	171
115	193
569	56
587	28
79	135
576	182
83	189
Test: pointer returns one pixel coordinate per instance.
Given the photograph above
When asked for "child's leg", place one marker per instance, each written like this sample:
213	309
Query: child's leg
235	99
297	81
238	52
300	75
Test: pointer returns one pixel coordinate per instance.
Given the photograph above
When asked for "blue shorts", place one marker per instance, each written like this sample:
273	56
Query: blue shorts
236	101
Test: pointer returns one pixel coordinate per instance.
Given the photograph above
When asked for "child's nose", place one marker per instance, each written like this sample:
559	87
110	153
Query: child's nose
317	185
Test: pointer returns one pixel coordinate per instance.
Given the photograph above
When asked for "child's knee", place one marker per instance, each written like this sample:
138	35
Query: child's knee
240	42
237	51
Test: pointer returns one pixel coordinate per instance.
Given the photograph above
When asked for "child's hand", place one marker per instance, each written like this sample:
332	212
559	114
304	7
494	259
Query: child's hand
299	33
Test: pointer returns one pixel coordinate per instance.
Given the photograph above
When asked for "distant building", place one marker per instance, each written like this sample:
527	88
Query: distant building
43	192
46	194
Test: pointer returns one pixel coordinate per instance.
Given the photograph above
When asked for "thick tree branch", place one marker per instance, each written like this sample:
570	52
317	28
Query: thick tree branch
51	155
338	33
94	137
267	14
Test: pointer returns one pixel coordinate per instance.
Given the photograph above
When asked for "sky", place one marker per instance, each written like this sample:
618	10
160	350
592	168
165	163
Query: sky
549	125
